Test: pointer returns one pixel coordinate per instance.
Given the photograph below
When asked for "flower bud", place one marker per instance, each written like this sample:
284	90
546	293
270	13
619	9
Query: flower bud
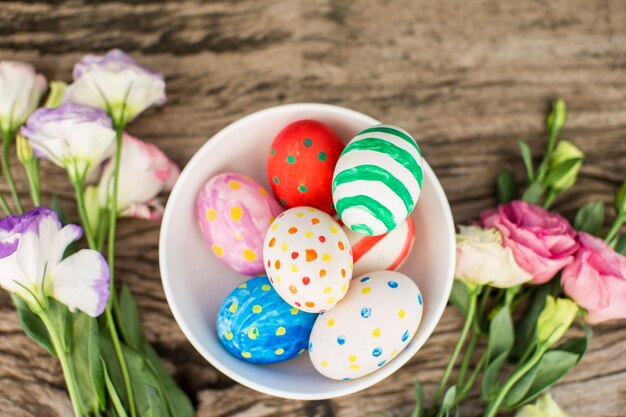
620	199
564	152
24	150
554	320
556	118
544	407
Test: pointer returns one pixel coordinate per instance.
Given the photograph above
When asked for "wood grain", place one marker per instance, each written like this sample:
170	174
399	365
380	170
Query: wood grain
468	78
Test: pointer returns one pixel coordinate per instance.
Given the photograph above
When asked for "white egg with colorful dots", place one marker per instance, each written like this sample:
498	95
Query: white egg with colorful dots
374	322
308	259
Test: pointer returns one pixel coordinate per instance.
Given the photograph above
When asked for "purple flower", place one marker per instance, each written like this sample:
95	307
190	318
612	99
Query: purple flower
75	137
32	264
115	83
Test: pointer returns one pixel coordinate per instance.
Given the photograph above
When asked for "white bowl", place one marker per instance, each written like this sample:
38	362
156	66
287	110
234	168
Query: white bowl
195	281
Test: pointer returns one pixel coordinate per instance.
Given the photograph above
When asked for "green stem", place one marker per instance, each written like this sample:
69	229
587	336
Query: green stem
7	138
32	173
467	357
469	319
119	129
103	224
4	205
82	211
70	379
549	199
619	220
494	406
472	379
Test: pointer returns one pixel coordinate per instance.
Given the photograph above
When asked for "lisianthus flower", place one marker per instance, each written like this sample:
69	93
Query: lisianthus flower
596	280
481	259
544	407
75	137
21	89
32	265
543	243
115	83
145	172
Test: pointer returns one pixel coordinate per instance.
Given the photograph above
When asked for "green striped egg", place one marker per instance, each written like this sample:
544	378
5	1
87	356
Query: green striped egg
378	179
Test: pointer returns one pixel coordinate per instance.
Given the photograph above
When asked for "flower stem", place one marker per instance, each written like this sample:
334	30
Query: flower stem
467	357
7	138
549	199
4	205
32	173
119	129
494	405
619	220
469	319
82	212
68	371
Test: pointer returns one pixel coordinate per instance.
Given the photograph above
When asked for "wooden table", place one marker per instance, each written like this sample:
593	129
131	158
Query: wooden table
467	77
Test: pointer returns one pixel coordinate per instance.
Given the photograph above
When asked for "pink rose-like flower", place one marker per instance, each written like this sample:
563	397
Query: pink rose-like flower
145	172
543	243
596	280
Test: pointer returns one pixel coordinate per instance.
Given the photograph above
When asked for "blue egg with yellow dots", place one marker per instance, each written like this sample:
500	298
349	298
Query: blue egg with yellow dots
257	326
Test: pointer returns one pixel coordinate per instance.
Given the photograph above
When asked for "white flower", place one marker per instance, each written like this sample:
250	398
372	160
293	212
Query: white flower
545	407
21	89
115	83
482	260
145	172
77	138
32	265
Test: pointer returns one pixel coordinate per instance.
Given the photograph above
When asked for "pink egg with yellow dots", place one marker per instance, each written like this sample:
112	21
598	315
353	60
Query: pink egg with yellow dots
234	213
308	259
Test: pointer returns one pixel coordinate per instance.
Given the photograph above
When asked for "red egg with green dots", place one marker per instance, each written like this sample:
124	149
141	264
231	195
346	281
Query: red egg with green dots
301	162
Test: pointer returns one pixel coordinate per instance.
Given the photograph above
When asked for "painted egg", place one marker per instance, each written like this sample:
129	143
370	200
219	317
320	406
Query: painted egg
308	259
301	163
234	213
256	325
377	180
388	251
372	324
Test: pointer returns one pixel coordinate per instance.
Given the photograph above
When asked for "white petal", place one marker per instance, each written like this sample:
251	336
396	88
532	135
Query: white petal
81	281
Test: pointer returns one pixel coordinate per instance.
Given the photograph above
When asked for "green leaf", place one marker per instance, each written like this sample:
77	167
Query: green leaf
501	334
418	411
178	402
528	160
525	328
129	322
534	192
85	358
55	205
112	364
118	406
561	170
590	217
460	296
32	324
553	366
520	388
620	245
490	383
506	187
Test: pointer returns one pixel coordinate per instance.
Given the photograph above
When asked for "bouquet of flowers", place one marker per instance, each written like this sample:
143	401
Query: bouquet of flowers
524	277
65	295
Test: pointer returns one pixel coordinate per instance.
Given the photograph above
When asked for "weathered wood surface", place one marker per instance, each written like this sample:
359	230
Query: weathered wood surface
468	77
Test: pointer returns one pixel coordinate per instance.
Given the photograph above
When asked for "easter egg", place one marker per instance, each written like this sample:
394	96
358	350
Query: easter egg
377	180
388	251
301	163
368	328
234	213
256	325
308	259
